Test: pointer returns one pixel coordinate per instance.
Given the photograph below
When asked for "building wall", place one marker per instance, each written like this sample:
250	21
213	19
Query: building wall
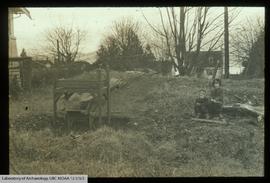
20	69
12	47
14	72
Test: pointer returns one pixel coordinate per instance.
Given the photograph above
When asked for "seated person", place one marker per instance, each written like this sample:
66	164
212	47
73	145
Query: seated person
201	105
216	100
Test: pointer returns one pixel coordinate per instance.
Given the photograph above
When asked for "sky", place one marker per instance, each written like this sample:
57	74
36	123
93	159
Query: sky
30	33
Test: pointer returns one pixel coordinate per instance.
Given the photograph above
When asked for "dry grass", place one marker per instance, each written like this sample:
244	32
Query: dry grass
163	143
39	101
105	152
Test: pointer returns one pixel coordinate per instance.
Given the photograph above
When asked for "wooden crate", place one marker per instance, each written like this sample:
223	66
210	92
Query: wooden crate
97	88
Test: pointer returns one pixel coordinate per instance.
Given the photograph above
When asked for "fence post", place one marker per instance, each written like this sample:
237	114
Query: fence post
99	94
108	94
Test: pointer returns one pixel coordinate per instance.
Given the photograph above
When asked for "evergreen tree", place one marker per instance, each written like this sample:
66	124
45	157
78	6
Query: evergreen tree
254	66
123	50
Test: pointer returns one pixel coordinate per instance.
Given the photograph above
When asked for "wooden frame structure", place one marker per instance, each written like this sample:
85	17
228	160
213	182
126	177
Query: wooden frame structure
98	88
21	69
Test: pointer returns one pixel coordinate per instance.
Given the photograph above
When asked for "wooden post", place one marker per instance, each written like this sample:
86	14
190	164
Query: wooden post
108	94
226	43
209	121
99	94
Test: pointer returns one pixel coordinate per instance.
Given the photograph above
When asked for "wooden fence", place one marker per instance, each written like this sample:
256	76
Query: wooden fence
20	69
98	88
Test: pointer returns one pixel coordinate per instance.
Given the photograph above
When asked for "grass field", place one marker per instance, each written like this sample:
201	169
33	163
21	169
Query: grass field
158	138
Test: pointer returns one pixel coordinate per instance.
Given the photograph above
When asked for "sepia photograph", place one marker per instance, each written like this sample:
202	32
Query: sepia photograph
137	91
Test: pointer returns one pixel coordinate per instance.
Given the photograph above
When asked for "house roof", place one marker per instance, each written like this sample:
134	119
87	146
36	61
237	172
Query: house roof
21	11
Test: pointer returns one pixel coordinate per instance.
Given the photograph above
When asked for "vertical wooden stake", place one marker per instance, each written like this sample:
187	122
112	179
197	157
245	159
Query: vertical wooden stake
108	94
99	95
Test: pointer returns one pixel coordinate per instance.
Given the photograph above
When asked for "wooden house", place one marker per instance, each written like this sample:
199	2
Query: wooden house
208	61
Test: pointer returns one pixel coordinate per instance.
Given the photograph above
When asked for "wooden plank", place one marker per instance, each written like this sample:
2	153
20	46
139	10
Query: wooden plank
71	82
11	77
59	91
208	121
255	110
12	74
78	83
77	90
14	67
14	64
17	75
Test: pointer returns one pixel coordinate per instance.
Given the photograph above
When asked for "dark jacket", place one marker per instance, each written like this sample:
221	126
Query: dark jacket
201	106
217	94
201	101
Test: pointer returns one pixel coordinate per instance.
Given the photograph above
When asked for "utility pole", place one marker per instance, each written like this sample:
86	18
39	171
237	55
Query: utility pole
226	43
181	41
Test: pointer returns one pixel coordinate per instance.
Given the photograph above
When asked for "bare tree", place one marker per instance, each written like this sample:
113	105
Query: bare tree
159	47
190	30
244	37
69	40
124	31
